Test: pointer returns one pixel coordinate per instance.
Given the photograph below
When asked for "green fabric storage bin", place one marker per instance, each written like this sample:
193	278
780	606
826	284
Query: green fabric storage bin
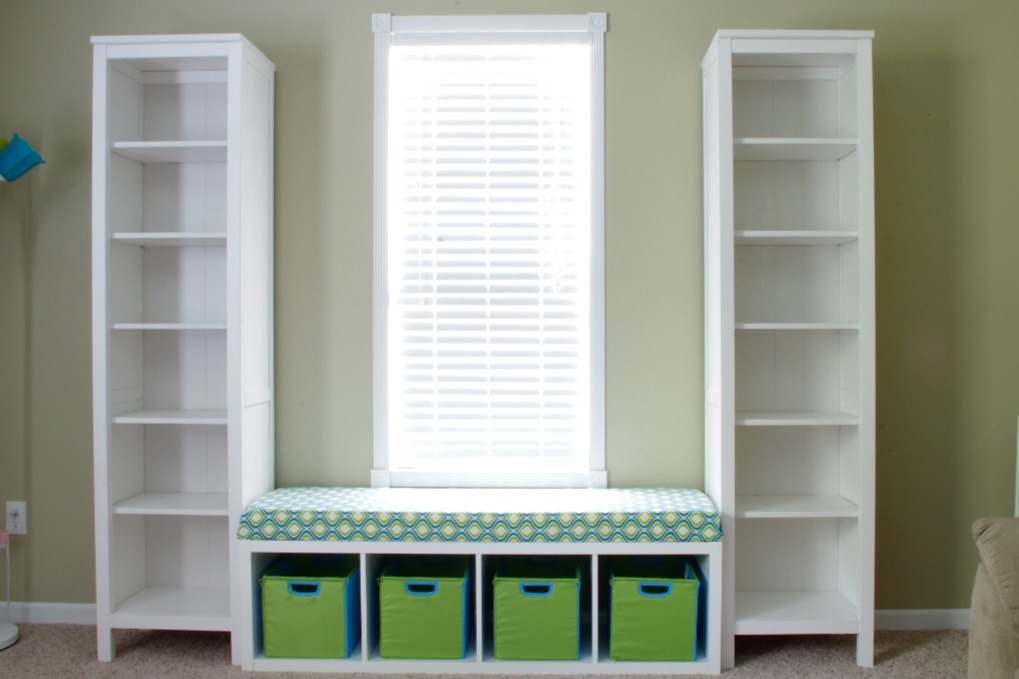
311	606
536	608
653	610
424	607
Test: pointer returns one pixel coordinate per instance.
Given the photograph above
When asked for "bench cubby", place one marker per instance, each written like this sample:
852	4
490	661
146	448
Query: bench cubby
655	531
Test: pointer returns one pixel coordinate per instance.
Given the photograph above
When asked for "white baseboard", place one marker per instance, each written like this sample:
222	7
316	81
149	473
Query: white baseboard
914	619
922	619
52	613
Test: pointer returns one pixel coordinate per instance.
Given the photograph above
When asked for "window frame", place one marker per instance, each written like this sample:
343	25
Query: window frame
386	28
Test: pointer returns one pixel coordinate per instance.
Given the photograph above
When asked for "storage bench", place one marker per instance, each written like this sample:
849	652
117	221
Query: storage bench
379	524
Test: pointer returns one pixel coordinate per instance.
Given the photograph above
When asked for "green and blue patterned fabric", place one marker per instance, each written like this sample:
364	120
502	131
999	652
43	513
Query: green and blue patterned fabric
483	515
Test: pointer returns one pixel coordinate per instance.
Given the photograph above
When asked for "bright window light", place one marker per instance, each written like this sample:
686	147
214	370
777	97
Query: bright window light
489	257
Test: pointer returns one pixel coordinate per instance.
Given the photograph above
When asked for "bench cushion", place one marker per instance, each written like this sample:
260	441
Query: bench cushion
486	515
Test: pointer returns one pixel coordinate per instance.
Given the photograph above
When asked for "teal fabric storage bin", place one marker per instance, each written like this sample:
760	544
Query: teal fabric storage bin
311	606
425	607
653	609
536	608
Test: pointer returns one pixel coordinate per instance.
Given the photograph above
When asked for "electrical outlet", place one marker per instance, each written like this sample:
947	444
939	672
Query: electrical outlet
17	517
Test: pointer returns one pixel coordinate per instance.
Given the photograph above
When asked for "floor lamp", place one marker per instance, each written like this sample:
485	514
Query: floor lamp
8	630
16	158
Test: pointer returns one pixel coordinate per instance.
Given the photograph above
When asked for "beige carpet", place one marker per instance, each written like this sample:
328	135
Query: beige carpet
65	651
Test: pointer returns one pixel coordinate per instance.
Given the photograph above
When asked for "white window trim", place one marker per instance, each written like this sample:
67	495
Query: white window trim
385	28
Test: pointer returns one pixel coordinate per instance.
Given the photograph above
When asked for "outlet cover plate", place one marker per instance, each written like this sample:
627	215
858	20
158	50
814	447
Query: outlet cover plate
17	517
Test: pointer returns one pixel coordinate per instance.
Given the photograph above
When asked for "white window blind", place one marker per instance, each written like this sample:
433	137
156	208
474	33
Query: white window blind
488	286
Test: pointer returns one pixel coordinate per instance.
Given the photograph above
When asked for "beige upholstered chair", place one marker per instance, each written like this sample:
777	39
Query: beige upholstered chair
994	611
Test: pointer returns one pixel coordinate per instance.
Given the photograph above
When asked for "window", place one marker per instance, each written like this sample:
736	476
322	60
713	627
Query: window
488	251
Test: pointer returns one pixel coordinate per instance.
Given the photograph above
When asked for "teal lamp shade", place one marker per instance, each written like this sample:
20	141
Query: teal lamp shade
17	158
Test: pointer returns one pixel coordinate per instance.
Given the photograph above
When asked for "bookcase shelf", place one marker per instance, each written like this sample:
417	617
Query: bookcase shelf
797	326
175	608
754	148
174	504
172	151
171	239
796	613
177	327
794	506
802	237
794	418
202	417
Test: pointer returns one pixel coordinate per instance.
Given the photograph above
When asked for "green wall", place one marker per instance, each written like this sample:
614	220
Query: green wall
946	93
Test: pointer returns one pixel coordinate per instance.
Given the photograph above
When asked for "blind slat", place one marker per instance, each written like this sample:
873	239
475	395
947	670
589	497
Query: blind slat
489	252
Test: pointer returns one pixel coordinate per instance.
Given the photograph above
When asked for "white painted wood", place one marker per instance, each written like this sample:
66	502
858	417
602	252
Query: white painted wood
788	554
788	370
479	658
186	285
174	504
794	506
751	148
251	449
797	326
792	418
171	239
794	283
185	551
172	152
748	237
592	479
209	417
182	250
382	25
790	461
175	608
100	381
719	371
789	331
597	25
795	613
786	196
861	208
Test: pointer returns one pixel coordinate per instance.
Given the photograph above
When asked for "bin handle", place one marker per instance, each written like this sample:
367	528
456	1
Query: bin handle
654	589
419	588
299	588
540	589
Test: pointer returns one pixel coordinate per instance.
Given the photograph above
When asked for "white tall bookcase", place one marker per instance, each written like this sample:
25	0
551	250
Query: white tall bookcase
789	330
182	214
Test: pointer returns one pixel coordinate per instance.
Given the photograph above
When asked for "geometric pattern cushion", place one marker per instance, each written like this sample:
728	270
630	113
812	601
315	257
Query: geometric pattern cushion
488	515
